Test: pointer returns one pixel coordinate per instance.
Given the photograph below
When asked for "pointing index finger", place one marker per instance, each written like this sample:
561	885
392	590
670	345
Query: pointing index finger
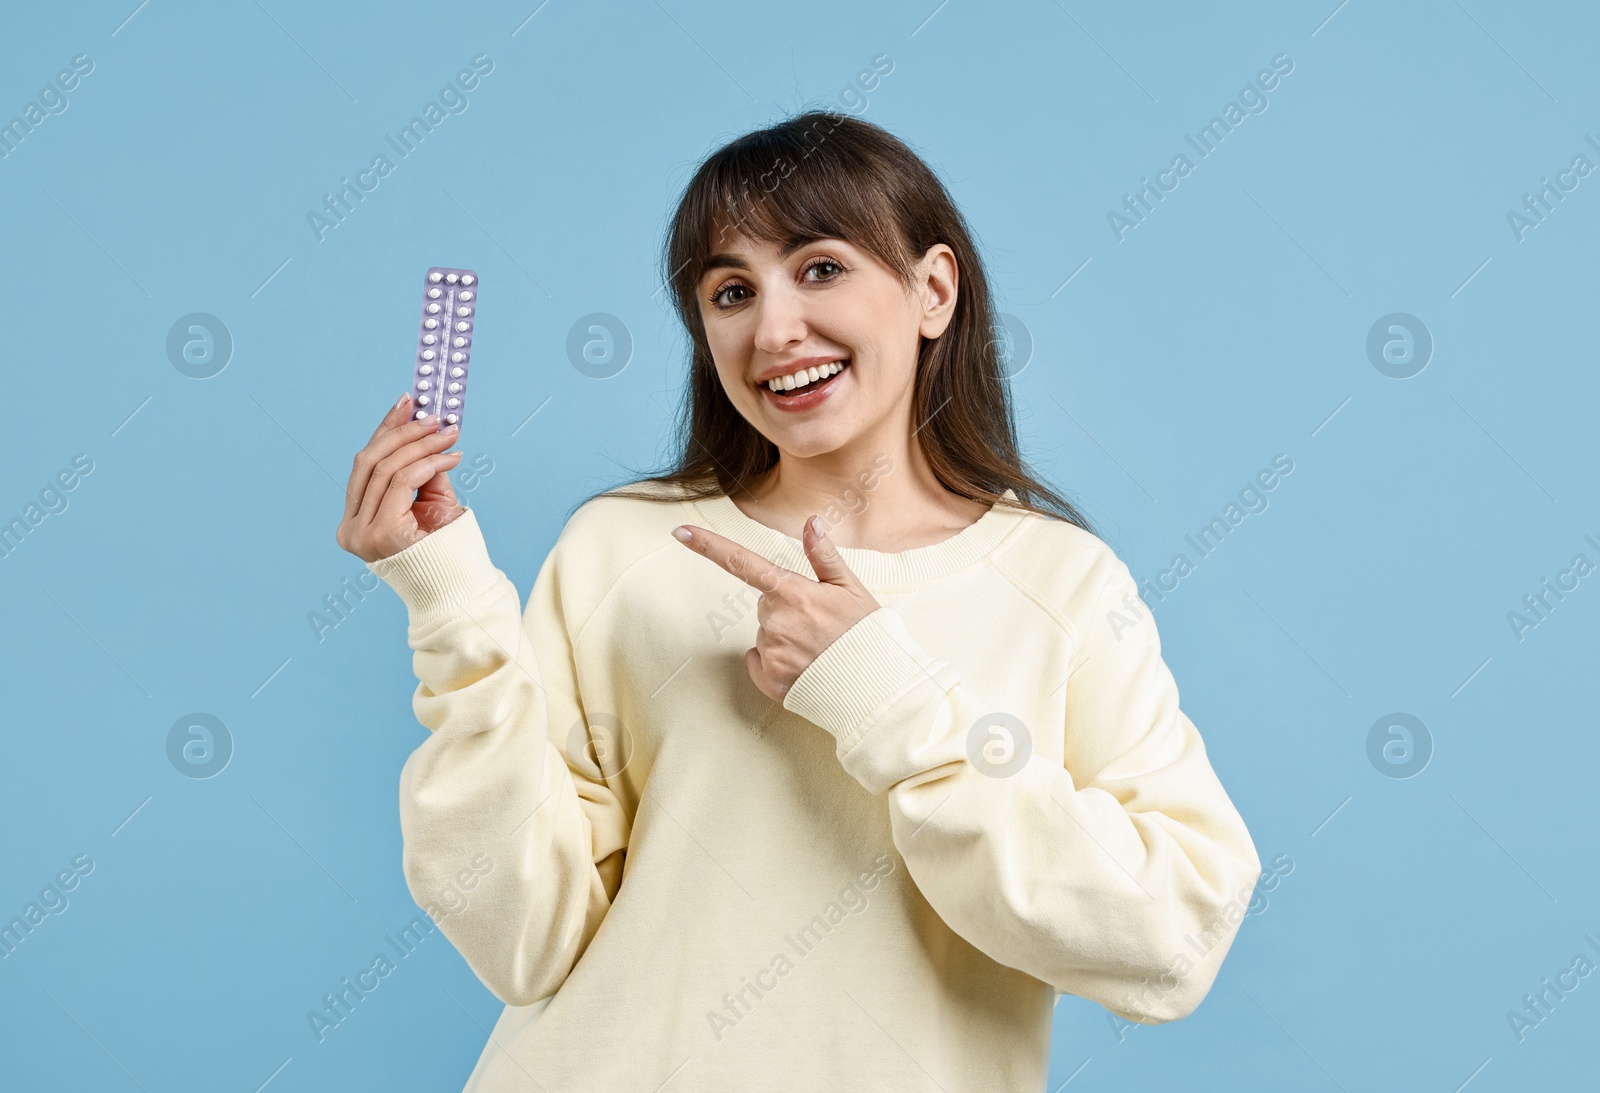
746	564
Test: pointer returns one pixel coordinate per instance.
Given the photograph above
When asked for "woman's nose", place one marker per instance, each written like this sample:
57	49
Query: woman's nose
780	321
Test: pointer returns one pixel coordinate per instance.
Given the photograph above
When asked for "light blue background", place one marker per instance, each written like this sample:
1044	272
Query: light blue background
1229	327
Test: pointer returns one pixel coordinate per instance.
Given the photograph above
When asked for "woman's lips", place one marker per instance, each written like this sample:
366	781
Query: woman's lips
807	397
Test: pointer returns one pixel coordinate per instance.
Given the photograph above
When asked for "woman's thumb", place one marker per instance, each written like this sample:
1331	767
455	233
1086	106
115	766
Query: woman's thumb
825	558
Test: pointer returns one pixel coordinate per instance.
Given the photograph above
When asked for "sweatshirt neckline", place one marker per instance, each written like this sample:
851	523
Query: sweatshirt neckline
877	569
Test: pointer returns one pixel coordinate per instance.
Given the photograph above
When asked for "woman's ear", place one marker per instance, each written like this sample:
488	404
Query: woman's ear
936	288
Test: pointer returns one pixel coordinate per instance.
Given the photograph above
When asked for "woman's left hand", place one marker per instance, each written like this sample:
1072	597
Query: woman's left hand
796	617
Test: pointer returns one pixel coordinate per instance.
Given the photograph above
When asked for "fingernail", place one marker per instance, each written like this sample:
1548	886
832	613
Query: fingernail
401	401
682	534
816	527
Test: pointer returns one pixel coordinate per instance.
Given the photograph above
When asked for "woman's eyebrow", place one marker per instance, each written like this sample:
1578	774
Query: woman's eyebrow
733	261
723	261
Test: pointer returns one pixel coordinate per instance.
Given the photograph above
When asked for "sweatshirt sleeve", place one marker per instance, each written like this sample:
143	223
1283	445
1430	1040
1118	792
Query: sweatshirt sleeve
512	840
1120	875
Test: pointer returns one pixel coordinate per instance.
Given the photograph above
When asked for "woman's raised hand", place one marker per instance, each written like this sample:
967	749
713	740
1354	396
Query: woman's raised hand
796	617
399	491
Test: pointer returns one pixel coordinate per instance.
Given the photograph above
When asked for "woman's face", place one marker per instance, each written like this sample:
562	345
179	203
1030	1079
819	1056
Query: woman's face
768	314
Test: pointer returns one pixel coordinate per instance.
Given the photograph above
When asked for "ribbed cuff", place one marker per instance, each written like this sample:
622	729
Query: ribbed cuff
866	667
445	567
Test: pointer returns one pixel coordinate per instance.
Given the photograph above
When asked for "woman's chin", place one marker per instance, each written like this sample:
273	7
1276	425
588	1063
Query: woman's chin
811	439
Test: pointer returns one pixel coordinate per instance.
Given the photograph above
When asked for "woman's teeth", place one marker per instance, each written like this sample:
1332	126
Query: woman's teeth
805	376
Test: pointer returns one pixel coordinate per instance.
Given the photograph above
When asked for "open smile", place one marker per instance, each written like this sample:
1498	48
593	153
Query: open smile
803	396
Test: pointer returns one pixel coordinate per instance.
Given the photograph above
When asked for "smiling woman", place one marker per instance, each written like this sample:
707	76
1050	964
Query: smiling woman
931	683
772	285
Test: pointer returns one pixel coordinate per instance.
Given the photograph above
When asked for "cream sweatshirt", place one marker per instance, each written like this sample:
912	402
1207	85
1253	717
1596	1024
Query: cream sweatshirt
982	794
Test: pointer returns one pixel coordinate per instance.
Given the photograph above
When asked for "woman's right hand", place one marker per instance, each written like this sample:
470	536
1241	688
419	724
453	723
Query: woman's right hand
399	491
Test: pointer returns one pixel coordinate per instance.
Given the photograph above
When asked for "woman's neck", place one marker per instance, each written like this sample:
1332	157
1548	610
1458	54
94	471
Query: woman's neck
885	504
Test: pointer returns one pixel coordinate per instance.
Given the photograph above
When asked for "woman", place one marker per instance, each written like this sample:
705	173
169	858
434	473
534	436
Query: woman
800	807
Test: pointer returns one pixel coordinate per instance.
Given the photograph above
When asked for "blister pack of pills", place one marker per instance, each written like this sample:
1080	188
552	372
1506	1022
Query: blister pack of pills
444	344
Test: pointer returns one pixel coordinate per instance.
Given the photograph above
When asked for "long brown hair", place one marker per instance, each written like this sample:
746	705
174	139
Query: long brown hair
823	175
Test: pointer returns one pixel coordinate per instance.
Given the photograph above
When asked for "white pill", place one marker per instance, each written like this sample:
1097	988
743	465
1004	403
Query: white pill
463	325
431	324
423	385
422	400
419	415
427	354
452	402
454	388
429	339
451	278
467	278
434	293
426	369
436	277
466	294
451	419
463	311
433	309
458	357
458	372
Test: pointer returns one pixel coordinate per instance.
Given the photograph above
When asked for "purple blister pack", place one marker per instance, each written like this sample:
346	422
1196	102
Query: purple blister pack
444	344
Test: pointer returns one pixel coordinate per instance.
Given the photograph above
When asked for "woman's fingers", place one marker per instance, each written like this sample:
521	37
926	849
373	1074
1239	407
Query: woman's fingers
436	503
396	505
406	446
398	414
748	566
757	672
366	463
384	513
370	453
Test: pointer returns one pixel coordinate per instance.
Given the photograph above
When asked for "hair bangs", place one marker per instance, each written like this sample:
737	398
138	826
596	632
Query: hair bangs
787	186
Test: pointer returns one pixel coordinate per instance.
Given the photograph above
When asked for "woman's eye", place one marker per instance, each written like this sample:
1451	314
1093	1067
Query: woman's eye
716	297
720	298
